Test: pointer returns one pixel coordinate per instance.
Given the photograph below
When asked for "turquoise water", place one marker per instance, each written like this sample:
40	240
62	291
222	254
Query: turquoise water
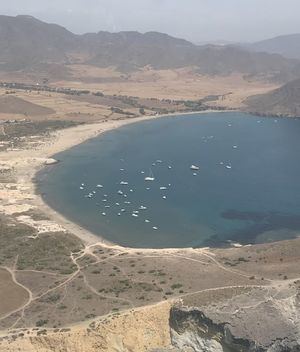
247	189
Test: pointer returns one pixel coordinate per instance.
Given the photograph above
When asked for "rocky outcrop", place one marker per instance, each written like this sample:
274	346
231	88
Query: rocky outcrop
281	102
191	328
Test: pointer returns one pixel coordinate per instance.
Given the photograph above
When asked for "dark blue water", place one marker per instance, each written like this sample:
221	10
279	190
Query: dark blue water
256	200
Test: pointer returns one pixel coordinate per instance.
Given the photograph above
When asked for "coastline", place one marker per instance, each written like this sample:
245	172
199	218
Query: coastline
27	163
201	273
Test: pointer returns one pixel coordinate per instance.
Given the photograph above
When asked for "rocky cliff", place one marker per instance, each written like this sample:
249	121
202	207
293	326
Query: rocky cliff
229	325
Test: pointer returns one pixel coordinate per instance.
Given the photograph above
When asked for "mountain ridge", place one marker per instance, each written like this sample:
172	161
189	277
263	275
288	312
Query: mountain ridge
27	42
287	45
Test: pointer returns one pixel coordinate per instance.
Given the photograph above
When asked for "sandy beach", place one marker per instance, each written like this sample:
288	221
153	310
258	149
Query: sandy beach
26	163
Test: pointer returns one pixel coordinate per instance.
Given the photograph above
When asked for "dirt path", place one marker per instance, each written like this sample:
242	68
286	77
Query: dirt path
28	292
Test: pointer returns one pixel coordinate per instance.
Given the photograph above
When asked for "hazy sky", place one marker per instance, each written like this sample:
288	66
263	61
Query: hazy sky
197	20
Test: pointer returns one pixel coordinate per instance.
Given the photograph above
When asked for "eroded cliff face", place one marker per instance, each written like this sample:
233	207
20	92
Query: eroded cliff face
191	329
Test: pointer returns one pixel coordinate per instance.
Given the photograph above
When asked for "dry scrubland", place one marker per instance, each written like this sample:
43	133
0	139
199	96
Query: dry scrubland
56	280
168	84
177	84
53	281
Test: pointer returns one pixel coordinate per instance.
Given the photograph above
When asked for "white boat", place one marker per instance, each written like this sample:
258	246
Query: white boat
162	188
164	197
195	174
135	212
150	177
99	186
81	187
103	214
122	169
234	146
155	228
194	167
169	167
117	204
147	221
107	206
123	210
228	167
142	207
159	161
104	200
120	192
124	183
135	215
83	184
131	190
119	214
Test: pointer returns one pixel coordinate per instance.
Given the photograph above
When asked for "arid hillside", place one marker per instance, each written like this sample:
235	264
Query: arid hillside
285	45
284	101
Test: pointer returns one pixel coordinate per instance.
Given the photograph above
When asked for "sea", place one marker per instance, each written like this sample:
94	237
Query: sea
216	179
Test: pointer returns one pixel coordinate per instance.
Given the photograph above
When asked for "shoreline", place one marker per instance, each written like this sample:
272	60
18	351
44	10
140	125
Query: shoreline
203	274
27	163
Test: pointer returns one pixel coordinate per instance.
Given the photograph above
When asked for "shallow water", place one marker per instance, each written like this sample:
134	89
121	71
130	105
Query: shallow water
256	200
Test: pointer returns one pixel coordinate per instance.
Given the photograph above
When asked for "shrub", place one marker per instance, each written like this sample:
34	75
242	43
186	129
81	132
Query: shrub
41	322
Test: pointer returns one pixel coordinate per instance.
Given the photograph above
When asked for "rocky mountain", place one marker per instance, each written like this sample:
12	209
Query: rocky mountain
133	50
26	43
220	60
283	101
219	332
285	45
